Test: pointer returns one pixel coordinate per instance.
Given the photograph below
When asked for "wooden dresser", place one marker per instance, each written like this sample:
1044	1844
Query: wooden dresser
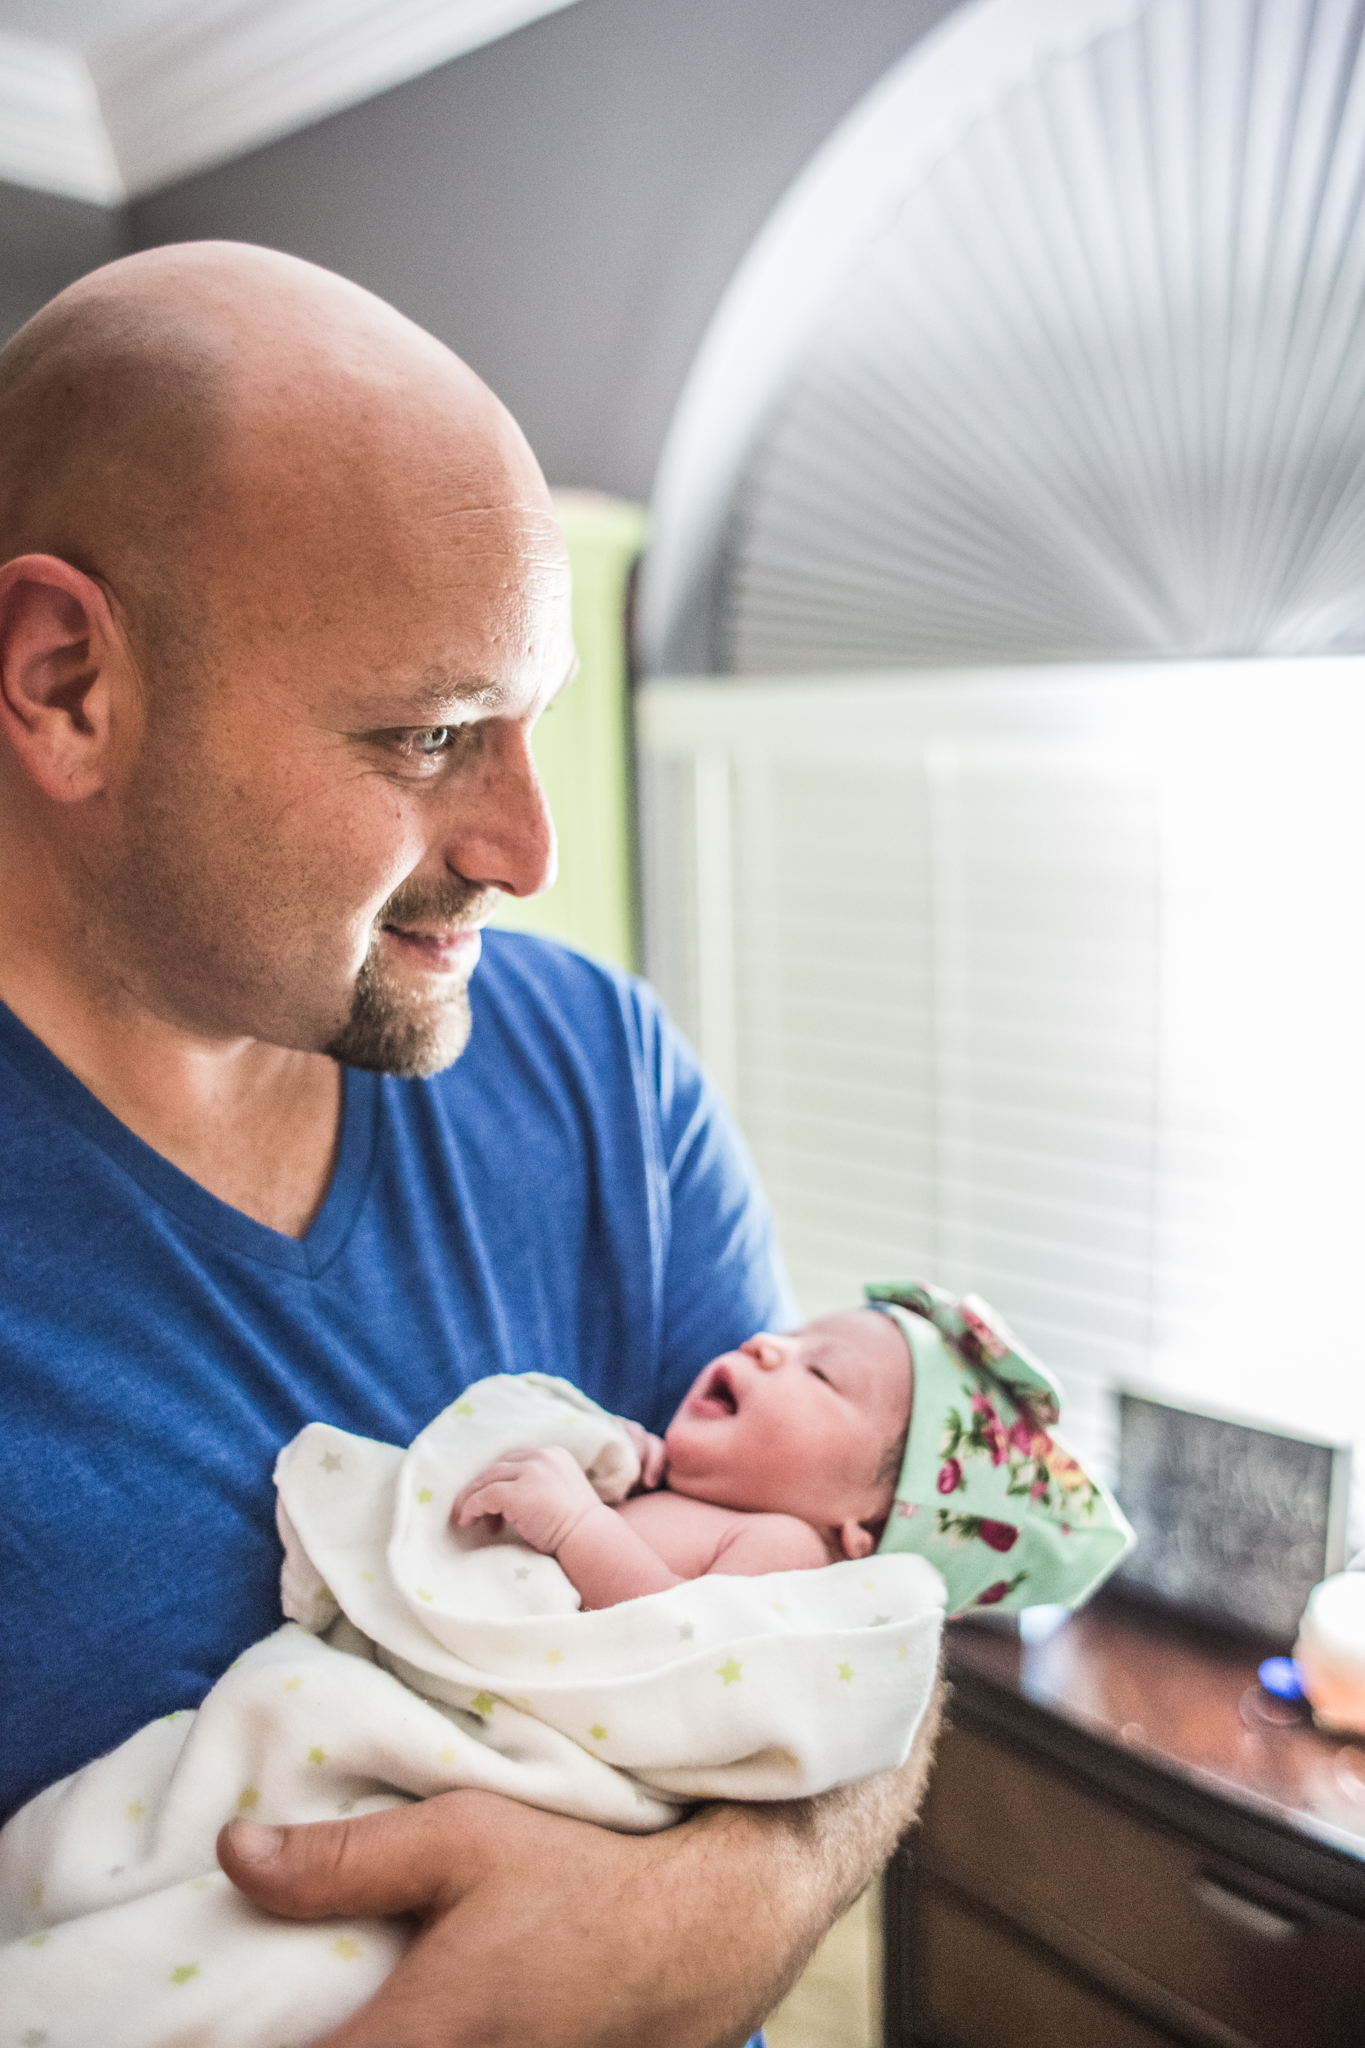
1127	1844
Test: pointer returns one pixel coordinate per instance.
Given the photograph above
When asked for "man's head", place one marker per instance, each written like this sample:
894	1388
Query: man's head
283	597
811	1424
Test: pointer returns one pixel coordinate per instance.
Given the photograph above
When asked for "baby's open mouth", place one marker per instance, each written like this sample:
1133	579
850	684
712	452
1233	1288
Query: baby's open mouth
718	1396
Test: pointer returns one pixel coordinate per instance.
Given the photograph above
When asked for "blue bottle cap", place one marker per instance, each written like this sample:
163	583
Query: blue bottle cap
1282	1677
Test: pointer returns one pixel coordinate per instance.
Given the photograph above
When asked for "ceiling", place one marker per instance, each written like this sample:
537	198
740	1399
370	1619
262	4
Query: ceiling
106	99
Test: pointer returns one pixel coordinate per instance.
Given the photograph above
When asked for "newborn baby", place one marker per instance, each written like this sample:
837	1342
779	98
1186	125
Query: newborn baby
784	1455
675	1647
919	1423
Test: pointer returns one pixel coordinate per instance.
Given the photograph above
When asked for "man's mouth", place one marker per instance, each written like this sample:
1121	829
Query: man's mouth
716	1396
438	951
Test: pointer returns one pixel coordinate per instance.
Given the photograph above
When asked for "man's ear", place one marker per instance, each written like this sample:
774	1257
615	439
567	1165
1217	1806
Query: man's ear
855	1539
61	657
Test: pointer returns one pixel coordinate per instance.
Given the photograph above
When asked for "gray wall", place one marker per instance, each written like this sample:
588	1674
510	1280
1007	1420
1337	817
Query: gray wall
565	206
46	242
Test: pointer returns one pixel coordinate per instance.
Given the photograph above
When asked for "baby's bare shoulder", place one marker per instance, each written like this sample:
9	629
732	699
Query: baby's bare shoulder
686	1534
770	1543
694	1537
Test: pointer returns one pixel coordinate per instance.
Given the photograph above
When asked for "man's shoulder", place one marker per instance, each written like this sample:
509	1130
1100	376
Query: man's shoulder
525	960
537	987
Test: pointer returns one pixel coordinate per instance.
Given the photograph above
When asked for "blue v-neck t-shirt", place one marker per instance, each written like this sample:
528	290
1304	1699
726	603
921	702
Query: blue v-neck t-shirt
569	1197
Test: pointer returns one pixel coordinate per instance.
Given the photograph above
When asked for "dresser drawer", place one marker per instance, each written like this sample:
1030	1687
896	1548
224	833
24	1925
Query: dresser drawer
977	1986
1280	1970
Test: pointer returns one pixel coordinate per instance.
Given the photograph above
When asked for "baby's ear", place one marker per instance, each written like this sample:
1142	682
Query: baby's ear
855	1540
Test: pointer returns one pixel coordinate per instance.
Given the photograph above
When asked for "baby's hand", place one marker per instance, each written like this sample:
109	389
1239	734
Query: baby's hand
542	1495
649	1450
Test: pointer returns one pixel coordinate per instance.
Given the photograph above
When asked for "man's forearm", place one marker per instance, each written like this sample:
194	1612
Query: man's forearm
821	1854
789	1870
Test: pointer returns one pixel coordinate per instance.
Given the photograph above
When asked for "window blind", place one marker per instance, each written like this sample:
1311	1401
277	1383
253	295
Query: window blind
1045	983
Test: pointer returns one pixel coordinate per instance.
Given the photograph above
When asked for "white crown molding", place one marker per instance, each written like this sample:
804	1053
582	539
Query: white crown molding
225	77
51	133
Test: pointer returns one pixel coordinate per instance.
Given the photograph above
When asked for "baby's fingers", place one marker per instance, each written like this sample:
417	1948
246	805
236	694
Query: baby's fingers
507	1469
649	1450
472	1511
483	1497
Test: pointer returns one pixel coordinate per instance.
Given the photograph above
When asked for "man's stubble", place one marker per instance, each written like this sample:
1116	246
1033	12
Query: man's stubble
392	1029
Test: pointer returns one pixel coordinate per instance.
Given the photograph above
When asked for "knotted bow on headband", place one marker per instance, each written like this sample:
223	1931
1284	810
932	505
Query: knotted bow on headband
988	1493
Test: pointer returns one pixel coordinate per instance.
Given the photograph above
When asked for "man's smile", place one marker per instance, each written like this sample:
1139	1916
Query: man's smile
437	951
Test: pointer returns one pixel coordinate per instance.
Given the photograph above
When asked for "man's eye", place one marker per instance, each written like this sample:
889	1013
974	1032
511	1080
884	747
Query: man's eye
434	740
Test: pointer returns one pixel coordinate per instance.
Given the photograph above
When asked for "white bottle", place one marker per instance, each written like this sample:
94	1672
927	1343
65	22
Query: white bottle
1331	1652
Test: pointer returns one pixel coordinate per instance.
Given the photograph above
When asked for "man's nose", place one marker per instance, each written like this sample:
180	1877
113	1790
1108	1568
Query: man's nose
498	830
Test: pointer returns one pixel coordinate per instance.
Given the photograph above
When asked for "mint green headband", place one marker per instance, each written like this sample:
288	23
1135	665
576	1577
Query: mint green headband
988	1494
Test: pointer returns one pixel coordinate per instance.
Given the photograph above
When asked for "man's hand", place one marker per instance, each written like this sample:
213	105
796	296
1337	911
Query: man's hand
537	1928
542	1495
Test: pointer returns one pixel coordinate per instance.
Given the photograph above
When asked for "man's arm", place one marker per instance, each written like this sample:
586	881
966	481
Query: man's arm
539	1928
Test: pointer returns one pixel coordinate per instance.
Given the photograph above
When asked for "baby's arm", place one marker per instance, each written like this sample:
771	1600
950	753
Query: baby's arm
546	1498
612	1554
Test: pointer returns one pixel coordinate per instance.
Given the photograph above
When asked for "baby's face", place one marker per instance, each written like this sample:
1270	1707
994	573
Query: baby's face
806	1424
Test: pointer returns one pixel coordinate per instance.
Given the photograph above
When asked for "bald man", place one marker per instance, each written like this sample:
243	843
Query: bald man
283	598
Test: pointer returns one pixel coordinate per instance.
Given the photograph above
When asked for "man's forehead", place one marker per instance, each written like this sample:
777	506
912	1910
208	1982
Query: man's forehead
528	532
477	618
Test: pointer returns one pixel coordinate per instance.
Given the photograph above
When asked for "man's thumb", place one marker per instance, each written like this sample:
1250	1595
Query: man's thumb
393	1862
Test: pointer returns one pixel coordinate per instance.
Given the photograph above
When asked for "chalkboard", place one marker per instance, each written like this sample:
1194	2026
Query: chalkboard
1235	1524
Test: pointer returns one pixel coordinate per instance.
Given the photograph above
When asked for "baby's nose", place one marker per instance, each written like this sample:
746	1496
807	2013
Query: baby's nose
766	1350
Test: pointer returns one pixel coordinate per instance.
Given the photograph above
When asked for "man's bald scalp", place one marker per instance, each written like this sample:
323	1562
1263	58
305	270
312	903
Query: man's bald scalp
195	406
111	409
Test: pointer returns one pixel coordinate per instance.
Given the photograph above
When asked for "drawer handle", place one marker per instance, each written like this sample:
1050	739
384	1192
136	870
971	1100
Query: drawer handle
1248	1916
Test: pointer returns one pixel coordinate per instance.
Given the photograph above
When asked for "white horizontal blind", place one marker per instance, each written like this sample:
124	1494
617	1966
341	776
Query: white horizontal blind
991	967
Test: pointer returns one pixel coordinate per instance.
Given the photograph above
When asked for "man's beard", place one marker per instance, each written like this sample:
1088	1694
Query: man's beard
392	1029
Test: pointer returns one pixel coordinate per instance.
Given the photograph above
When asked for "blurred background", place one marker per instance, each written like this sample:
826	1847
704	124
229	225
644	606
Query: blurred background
957	418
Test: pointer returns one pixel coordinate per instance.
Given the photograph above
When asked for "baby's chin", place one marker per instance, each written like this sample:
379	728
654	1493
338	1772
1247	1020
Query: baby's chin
685	1473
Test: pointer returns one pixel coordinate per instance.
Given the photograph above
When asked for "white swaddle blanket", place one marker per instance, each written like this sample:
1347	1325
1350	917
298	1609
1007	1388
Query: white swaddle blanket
420	1659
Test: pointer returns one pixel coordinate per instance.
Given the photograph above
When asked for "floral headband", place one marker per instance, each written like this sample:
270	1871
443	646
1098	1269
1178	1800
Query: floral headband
988	1494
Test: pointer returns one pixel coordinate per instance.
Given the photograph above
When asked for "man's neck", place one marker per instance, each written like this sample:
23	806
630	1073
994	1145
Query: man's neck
258	1125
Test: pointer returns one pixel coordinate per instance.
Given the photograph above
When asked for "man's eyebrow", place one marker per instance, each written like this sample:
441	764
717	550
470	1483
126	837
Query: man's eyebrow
425	700
433	694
